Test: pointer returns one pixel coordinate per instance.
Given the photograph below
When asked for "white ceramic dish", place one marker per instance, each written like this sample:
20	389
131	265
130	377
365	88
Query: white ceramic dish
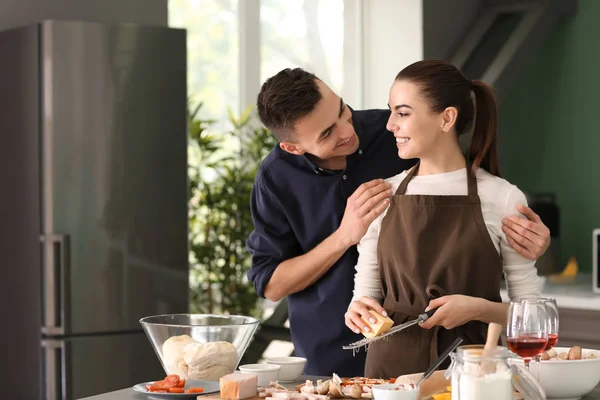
392	391
567	379
208	386
265	372
291	367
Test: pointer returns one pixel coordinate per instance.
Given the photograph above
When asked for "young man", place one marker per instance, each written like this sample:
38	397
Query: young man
313	199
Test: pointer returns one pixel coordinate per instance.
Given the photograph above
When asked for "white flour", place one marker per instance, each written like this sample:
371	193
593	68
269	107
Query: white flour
469	384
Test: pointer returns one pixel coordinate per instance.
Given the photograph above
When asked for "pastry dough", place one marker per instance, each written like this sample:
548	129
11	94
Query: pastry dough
172	351
210	361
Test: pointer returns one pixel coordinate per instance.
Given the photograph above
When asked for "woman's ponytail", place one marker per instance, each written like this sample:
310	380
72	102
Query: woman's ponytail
483	149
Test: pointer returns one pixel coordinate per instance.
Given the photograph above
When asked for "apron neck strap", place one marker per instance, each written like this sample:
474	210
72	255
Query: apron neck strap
402	188
471	183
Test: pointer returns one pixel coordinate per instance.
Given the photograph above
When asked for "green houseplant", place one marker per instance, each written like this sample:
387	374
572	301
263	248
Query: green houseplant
219	212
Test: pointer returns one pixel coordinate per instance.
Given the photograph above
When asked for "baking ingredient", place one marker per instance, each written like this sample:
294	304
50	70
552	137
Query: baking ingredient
322	387
382	324
210	361
171	384
575	353
354	391
308	387
277	392
191	359
337	388
471	384
237	386
172	350
447	395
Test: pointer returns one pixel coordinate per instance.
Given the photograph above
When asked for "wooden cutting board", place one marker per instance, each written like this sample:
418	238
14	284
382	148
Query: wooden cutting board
217	396
291	385
436	383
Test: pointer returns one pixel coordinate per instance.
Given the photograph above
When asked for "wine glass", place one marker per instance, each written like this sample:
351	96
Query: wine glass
527	328
552	315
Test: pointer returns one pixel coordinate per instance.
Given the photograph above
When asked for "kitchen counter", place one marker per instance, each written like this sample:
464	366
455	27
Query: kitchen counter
130	394
577	295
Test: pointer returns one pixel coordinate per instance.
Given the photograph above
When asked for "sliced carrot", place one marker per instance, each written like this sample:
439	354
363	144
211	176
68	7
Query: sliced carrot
162	385
392	380
158	390
195	390
176	390
181	383
173	378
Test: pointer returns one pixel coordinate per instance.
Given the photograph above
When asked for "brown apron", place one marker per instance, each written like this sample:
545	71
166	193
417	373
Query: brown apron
430	246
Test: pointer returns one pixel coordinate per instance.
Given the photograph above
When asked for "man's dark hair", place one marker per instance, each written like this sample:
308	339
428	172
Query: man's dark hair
285	98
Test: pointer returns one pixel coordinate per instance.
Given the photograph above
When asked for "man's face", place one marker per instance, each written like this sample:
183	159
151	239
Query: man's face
327	132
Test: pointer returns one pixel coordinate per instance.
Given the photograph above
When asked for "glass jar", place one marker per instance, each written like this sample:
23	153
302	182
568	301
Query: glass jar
474	376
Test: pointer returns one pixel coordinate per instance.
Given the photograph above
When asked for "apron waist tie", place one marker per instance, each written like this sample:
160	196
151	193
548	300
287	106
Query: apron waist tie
405	312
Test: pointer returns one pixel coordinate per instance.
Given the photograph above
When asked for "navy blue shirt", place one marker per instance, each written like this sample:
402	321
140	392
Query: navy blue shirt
295	205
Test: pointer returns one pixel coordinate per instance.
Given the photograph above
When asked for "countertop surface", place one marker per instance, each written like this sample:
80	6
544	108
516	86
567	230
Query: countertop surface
130	394
577	294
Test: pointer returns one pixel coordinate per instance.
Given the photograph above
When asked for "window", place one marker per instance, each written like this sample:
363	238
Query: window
304	33
213	51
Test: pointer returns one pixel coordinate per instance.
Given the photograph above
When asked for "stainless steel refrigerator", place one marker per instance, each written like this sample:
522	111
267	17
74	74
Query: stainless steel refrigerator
93	196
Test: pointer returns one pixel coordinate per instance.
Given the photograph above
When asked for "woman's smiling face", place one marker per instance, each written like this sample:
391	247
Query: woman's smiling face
414	125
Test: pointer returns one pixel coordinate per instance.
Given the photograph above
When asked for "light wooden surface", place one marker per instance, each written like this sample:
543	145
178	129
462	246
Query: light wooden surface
291	386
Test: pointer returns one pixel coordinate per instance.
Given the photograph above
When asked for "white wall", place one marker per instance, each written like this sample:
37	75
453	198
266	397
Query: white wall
393	39
352	91
14	13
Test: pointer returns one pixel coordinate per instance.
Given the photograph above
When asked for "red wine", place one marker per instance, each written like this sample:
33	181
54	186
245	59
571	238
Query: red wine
527	347
552	339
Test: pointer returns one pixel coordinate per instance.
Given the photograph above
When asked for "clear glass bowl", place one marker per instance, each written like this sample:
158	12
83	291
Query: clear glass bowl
199	346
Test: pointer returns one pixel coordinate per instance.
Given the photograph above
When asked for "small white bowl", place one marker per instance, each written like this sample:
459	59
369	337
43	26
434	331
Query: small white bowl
266	372
567	379
392	391
291	367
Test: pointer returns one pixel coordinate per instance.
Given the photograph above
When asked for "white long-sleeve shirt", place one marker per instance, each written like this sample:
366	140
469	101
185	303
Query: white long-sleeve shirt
498	198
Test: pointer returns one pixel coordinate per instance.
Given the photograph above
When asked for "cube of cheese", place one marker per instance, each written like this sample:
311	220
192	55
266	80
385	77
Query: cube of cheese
237	386
381	325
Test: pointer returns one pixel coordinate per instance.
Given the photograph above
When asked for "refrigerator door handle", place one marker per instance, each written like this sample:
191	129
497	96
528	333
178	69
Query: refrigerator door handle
56	283
56	369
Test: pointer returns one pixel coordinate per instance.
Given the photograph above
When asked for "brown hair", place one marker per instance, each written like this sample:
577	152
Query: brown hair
285	98
443	85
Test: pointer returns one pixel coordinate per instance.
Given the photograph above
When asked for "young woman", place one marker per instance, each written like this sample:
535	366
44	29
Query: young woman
440	243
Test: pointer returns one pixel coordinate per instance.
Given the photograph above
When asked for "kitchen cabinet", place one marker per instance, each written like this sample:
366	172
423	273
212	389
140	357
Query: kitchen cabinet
579	327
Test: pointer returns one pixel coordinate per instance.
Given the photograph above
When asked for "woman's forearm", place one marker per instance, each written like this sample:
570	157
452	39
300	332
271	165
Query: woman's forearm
491	311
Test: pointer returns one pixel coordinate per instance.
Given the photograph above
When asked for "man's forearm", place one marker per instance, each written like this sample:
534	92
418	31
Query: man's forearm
298	273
